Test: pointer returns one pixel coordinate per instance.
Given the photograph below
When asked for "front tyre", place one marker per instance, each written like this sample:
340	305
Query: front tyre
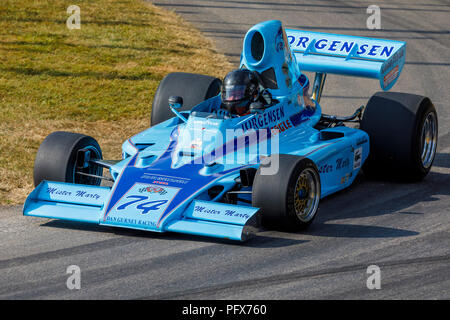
56	159
288	200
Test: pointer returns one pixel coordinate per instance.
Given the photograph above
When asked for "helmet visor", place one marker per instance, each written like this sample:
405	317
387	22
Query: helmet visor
233	93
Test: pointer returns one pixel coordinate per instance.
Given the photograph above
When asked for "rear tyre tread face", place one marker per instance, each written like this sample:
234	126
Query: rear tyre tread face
56	158
193	88
274	194
394	122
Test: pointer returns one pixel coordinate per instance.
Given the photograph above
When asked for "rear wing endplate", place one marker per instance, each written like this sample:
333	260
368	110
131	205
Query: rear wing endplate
348	55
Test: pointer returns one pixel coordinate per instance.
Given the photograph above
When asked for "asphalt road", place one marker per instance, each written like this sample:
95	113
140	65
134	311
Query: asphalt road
402	228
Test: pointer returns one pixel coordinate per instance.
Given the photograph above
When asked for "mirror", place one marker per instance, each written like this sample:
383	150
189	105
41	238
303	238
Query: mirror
175	102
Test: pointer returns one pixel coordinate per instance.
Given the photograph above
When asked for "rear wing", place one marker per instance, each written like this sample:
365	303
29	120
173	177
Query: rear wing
348	55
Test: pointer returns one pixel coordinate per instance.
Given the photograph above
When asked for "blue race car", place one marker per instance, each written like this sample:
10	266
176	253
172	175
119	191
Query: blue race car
222	158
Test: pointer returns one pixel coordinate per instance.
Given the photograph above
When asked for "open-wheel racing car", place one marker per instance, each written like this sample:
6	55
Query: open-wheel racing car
222	158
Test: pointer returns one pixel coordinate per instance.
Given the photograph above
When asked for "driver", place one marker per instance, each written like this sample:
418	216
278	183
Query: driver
239	89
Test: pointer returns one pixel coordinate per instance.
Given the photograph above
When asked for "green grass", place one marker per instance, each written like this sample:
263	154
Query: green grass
98	80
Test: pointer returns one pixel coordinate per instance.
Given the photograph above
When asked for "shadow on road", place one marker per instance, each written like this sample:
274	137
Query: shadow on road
259	241
442	160
368	198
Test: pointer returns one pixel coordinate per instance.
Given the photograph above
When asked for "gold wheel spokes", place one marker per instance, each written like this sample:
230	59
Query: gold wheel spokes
300	205
301	191
307	194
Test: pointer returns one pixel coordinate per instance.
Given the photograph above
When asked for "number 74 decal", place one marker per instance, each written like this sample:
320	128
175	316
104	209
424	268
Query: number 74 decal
145	206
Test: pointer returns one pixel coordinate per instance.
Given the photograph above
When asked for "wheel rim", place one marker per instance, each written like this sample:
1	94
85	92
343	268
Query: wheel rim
428	140
306	195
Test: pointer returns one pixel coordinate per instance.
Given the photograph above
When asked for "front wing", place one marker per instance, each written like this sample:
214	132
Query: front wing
84	203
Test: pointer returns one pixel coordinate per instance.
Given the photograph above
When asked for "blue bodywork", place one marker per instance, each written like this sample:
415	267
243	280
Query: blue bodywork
167	172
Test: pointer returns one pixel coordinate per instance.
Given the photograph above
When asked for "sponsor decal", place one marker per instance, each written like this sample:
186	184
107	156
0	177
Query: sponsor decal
228	213
264	120
165	180
136	222
281	127
140	200
357	158
59	192
342	163
340	46
152	189
142	204
279	43
326	168
282	44
393	61
161	182
77	193
346	178
390	76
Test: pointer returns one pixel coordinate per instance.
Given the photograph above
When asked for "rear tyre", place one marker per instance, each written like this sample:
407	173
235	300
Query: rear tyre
193	88
403	131
56	159
288	200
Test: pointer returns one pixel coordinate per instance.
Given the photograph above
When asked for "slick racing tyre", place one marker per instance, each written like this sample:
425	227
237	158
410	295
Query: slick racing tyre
289	199
193	88
57	155
403	131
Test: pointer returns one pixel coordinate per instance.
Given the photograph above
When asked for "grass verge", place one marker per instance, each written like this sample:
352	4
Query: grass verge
98	80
